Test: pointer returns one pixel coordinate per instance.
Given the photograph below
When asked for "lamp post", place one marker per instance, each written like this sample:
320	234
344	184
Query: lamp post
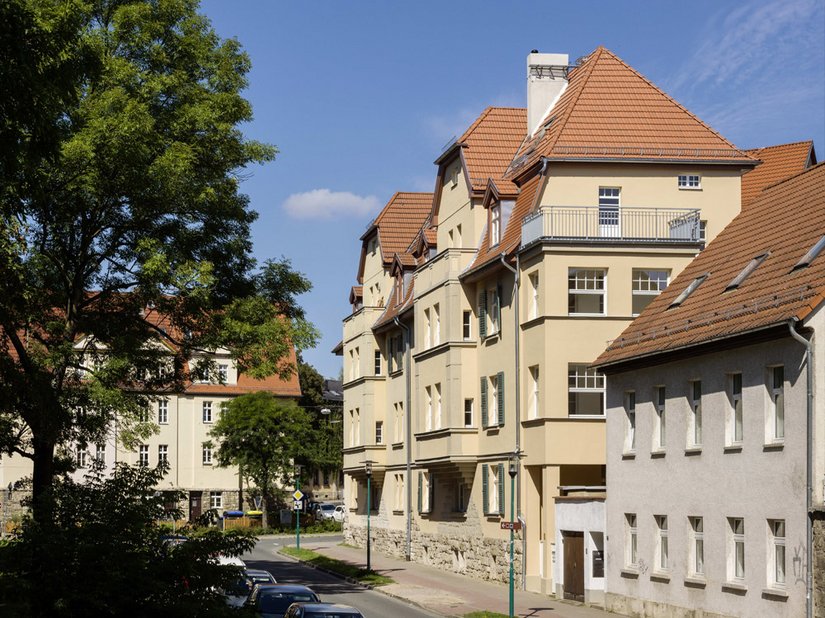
368	471
512	470
297	511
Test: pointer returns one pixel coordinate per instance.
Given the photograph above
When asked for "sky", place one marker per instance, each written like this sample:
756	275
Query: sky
360	98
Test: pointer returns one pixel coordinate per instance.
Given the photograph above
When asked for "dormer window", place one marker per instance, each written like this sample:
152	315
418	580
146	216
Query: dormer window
495	225
746	271
688	291
453	177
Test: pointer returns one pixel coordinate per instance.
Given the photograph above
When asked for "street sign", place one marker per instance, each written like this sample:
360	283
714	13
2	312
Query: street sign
257	501
296	505
511	525
297	495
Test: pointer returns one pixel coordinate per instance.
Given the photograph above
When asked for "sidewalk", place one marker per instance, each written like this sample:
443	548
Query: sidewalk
450	594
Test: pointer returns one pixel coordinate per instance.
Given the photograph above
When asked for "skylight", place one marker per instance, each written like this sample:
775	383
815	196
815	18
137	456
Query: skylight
688	291
747	271
811	255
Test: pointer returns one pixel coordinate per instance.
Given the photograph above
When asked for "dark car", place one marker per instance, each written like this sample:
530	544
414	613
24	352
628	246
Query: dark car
259	576
322	610
272	600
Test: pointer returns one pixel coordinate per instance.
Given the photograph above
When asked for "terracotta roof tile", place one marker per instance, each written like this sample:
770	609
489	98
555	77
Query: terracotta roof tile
394	309
490	143
786	220
610	111
778	163
400	221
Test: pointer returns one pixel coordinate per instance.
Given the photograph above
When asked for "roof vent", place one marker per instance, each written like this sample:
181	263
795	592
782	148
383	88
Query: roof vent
810	256
688	291
747	271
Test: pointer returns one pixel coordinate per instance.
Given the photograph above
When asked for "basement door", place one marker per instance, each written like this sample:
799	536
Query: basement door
573	565
195	504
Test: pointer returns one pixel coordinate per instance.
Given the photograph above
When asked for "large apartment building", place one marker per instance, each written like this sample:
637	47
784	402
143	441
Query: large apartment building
480	308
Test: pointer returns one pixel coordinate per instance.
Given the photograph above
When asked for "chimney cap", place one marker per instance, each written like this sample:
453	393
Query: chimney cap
534	51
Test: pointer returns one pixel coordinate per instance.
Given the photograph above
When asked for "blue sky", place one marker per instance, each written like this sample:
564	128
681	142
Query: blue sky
361	96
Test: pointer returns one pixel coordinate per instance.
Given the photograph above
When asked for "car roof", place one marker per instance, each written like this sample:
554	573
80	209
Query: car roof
284	588
257	572
319	607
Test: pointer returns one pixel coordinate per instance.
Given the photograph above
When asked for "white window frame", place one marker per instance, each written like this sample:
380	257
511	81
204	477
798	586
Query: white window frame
630	422
427	329
493	311
437	420
534	295
492	490
357	427
586	282
223	373
689	182
492	405
777	554
650	286
379	432
736	550
425	492
428	400
215	499
100	453
467	325
206	455
583	379
662	549
163	412
660	420
495	225
696	549
694	436
81	457
775	418
206	412
143	455
436	325
534	403
735	425
631	551
163	453
469	413
377	362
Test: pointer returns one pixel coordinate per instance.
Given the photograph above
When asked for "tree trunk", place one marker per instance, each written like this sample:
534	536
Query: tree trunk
42	478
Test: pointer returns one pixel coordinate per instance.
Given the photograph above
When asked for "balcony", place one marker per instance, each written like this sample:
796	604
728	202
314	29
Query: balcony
594	224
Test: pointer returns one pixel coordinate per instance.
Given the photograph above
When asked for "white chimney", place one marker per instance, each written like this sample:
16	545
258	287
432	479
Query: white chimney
546	80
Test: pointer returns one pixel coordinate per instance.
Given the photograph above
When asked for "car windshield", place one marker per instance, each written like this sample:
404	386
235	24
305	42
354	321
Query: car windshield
327	507
279	602
325	614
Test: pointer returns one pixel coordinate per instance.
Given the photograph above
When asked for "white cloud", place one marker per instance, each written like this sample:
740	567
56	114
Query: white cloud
326	204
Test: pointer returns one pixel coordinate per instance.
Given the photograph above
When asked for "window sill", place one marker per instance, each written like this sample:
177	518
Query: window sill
777	445
397	445
586	315
660	576
659	453
690	188
693	450
629	455
733	448
696	582
734	587
630	572
776	593
493	428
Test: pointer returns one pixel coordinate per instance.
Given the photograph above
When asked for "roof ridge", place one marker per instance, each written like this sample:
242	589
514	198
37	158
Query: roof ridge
674	101
800	142
784	180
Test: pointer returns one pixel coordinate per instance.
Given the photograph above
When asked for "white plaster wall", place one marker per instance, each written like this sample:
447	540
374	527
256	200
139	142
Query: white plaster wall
587	516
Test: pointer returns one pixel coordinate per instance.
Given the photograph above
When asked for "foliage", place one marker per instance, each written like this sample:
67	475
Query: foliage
322	526
128	226
103	554
323	450
337	566
261	434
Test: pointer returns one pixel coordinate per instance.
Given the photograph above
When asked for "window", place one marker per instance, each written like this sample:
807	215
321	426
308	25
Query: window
428	398
492	415
534	295
492	489
143	415
428	327
696	550
690	181
436	325
399	492
377	365
494	303
454	177
462	493
647	284
206	408
749	268
630	424
695	418
100	453
631	540
437	419
659	431
468	412
163	453
206	452
467	325
379	432
776	555
585	391
215	500
424	492
495	225
458	242
734	424
143	455
703	231
494	399
586	291
81	457
609	211
399	421
356	363
690	289
356	427
326	478
223	373
776	406
533	403
661	543
163	411
736	549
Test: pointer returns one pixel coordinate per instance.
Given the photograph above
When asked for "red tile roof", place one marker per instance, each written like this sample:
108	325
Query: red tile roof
778	163
787	220
610	111
400	221
489	145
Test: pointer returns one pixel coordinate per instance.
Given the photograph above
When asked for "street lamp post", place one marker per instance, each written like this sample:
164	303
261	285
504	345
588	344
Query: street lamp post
297	511
368	471
512	470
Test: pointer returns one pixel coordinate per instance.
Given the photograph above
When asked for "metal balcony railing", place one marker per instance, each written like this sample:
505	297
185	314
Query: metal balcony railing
606	224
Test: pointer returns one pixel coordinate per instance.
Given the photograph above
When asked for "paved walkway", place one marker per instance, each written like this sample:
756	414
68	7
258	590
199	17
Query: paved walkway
450	594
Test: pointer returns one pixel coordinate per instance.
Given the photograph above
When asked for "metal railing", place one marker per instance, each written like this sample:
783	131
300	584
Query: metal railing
606	224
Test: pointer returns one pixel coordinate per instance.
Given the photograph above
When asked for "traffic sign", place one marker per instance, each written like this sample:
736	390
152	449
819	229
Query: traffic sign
296	505
511	525
298	495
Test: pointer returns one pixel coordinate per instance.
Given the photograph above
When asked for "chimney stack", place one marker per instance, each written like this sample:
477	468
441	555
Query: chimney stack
546	80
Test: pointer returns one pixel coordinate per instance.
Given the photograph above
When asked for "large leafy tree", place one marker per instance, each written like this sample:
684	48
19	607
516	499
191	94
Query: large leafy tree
131	229
263	435
323	449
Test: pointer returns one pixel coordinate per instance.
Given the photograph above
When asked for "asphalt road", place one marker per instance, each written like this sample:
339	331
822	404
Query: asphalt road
329	588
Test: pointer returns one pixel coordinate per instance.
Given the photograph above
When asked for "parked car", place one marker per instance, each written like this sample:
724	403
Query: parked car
272	600
322	610
325	511
238	593
259	576
338	513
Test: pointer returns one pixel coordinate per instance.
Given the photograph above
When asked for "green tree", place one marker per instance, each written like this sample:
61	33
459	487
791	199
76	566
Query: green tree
263	435
103	554
323	449
133	230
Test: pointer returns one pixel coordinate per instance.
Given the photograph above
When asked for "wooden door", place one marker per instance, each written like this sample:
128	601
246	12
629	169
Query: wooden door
573	565
195	504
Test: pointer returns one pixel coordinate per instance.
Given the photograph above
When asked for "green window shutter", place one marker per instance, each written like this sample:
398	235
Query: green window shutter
500	473
482	314
483	402
500	398
485	490
420	483
499	295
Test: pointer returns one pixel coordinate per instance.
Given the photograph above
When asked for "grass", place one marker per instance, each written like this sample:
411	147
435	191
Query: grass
336	566
485	615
